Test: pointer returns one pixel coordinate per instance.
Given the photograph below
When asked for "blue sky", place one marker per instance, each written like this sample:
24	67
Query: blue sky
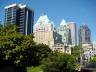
78	11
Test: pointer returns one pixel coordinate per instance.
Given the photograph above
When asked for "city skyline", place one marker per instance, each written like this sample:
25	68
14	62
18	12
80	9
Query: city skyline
78	11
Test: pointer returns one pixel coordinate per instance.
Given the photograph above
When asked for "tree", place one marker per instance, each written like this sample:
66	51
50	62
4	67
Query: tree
93	59
58	62
76	51
21	49
41	53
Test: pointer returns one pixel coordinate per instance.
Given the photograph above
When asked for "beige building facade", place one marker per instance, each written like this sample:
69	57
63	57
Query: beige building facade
44	31
72	27
44	37
61	48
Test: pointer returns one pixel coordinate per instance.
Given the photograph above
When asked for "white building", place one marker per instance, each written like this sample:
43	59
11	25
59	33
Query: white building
63	44
44	31
87	46
58	47
64	32
61	48
89	51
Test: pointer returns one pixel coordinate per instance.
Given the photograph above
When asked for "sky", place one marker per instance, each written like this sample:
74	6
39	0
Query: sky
78	11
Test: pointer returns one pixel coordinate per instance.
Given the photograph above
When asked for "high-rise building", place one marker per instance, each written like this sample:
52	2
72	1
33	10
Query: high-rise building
64	31
44	31
20	15
72	28
84	35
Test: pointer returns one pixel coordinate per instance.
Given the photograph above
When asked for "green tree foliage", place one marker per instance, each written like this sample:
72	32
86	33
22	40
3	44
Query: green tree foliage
93	59
58	62
76	51
23	51
20	49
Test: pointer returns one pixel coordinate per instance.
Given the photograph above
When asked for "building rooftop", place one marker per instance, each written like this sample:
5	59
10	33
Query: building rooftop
63	22
12	5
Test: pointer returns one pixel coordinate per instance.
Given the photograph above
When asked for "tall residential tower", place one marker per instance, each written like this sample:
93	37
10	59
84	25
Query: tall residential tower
20	15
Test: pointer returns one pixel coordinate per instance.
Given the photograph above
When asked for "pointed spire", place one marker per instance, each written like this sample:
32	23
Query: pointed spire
63	22
43	18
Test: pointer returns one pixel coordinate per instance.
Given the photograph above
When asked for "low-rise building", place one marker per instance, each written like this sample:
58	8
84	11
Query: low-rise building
61	48
89	51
